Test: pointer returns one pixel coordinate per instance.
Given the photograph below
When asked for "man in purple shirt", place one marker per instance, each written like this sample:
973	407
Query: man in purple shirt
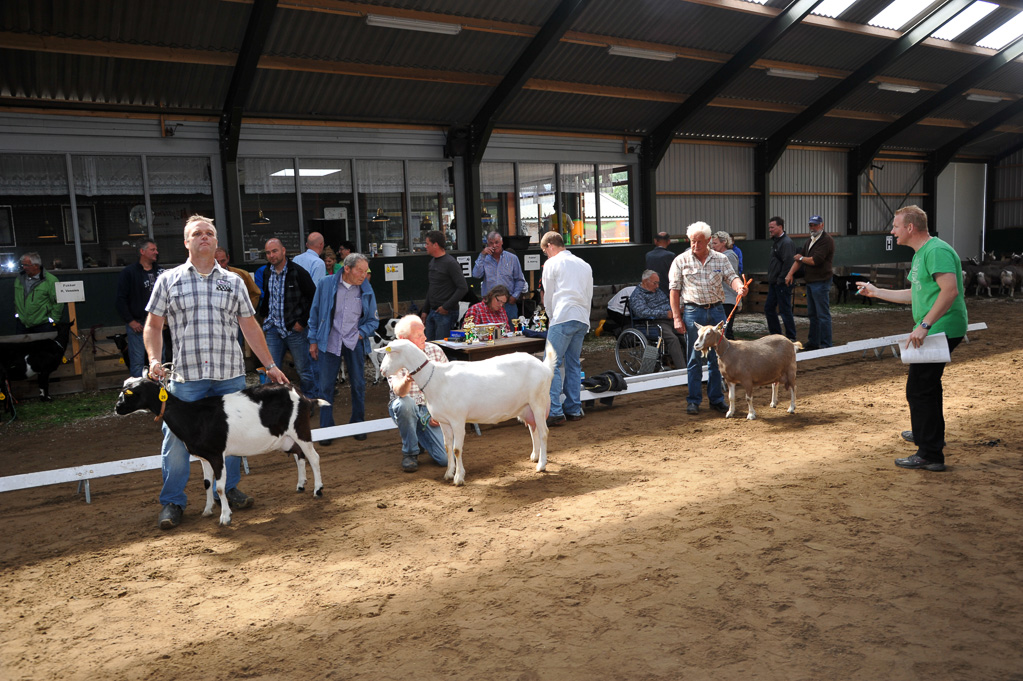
343	316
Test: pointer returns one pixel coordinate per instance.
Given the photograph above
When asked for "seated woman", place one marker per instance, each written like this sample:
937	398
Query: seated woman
491	309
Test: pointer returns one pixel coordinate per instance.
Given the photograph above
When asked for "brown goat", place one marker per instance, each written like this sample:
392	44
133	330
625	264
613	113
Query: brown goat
768	360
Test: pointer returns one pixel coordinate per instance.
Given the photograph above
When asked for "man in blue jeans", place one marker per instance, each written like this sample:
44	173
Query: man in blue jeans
288	292
696	283
343	317
205	306
815	257
407	405
134	286
567	294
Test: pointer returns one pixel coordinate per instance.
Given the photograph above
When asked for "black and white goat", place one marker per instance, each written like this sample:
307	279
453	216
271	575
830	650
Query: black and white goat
260	419
768	360
37	359
515	385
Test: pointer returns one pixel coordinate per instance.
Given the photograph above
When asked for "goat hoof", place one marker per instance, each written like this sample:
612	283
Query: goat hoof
225	523
318	493
791	411
46	398
534	457
751	417
300	488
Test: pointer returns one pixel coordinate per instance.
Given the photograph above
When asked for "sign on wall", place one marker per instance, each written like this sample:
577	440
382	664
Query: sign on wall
70	291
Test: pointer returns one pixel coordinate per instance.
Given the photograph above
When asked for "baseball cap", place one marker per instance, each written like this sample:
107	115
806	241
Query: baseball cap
816	220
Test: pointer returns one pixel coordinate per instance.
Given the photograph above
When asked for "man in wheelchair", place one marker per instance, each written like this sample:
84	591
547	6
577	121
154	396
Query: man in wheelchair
651	315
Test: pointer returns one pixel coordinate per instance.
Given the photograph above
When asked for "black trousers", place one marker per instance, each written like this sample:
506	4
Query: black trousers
926	411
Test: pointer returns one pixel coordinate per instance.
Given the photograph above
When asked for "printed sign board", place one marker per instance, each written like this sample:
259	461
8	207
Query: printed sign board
394	271
532	262
70	291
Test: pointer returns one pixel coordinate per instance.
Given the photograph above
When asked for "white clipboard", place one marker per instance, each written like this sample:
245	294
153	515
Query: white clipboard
934	350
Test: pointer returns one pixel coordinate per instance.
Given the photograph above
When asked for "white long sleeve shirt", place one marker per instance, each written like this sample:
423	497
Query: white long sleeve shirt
567	289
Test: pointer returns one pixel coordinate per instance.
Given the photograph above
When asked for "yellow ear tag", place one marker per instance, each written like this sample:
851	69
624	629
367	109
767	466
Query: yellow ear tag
63	360
128	392
163	394
388	348
2	397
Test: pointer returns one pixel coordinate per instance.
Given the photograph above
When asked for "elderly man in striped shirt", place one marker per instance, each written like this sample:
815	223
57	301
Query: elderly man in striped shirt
696	290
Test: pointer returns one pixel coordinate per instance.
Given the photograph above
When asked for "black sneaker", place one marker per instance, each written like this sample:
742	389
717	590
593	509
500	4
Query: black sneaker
692	409
239	499
170	516
555	420
360	436
325	443
575	417
917	461
409	464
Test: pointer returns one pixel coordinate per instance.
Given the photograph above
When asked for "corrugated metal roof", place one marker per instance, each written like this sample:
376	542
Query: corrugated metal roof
756	84
818	46
534	109
572	63
532	13
838	131
932	65
738	124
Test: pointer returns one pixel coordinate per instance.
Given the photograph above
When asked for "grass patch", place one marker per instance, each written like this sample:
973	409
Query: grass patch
34	415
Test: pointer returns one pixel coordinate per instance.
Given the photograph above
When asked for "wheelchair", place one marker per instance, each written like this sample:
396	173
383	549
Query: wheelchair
640	349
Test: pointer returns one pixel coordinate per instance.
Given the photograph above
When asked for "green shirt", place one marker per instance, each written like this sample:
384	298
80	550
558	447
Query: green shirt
937	257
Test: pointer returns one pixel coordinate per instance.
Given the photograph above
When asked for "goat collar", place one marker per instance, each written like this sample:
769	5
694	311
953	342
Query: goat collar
163	409
420	368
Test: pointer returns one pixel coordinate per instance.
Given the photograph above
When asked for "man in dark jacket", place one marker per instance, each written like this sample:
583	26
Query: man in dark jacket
815	257
446	287
134	286
659	259
288	292
779	294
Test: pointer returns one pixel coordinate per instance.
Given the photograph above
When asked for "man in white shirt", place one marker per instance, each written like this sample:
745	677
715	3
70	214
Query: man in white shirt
567	294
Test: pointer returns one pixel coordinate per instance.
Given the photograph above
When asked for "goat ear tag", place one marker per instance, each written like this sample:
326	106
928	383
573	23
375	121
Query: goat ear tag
128	392
163	394
63	360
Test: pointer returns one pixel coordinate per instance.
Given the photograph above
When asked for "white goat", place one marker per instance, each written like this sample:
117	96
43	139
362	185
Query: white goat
771	359
515	385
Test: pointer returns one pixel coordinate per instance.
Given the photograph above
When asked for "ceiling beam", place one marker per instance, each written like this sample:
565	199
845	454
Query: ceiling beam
777	142
860	157
256	32
944	155
660	139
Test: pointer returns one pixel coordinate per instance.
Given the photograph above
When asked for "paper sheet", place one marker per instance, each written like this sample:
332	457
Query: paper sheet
934	350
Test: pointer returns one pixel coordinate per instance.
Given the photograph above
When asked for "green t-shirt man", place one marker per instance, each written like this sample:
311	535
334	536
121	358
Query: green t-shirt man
937	257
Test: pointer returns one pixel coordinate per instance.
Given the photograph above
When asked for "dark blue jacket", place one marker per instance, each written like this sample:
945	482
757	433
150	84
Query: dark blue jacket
133	291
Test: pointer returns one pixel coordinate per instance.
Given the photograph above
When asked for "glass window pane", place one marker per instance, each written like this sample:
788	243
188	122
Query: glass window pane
33	187
536	199
111	209
432	198
579	201
179	187
382	202
497	196
327	199
615	186
268	205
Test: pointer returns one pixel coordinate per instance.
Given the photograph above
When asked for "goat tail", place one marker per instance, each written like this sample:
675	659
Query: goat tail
550	358
798	345
322	403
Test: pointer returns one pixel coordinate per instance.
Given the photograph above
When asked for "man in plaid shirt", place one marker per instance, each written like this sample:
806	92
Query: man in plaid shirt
696	283
407	405
205	306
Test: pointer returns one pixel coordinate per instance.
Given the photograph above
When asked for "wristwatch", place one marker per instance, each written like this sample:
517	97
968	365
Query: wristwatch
925	326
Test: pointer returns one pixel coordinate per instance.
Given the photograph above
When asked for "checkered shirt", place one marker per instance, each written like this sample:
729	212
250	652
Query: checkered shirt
481	314
434	354
202	313
701	283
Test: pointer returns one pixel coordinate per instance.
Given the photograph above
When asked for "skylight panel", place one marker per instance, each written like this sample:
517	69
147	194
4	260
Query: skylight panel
962	21
1004	34
832	8
897	14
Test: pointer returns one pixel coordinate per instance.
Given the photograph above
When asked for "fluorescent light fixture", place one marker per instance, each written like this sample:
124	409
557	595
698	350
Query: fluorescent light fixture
413	24
758	2
989	99
898	14
619	51
798	75
1004	34
832	8
898	87
306	172
962	21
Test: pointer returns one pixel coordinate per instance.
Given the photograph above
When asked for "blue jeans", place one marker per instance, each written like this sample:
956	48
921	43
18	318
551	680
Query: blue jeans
512	310
779	300
409	417
706	316
567	340
175	456
818	309
330	365
298	343
136	352
438	326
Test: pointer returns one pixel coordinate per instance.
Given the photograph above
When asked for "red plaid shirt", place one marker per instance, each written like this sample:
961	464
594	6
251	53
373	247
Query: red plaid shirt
481	314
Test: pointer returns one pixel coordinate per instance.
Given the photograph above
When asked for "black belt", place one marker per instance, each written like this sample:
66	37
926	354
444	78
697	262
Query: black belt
703	307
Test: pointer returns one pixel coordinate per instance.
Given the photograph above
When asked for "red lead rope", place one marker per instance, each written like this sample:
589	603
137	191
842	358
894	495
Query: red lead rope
738	297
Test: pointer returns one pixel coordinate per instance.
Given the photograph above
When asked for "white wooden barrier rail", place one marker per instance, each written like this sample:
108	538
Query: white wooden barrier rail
664	379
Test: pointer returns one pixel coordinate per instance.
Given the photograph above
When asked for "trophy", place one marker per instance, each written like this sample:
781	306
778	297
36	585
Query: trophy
491	333
470	329
515	326
541	320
